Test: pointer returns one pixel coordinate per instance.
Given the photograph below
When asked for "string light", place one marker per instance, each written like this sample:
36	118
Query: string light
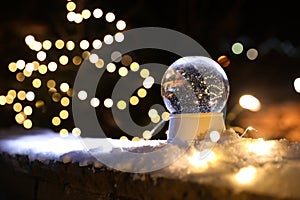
121	25
59	44
134	100
97	44
84	44
134	66
52	66
86	14
27	124
246	175
297	85
110	17
108	39
97	13
252	54
119	37
121	105
108	103
64	87
82	95
41	55
64	114
70	45
237	48
47	44
250	102
95	102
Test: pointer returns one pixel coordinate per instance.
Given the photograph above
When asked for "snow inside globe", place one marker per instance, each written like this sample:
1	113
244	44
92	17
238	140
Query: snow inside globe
195	84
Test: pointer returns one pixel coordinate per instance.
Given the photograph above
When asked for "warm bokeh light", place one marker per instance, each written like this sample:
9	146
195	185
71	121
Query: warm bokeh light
124	138
95	102
84	44
147	135
165	116
148	82
214	136
21	95
36	83
64	114
39	104
97	44
121	105
9	99
56	97
297	85
71	6
2	100
51	83
108	103
59	44
134	66
93	58
76	60
27	124
135	139
108	39
63	59
47	44
20	77
52	66
29	39
20	118
41	55
13	93
155	119
12	67
121	25
111	67
144	73
30	96
42	69
20	64
86	54
27	110
86	14
261	147
76	132
237	48
82	95
119	37
99	63
201	159
245	175
56	121
123	71
223	61
250	102
65	101
152	113
17	107
70	45
142	93
97	13
64	87
110	17
134	100
126	60
63	132
252	54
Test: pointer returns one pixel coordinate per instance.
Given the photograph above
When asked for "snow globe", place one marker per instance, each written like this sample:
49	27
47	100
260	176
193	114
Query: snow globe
195	90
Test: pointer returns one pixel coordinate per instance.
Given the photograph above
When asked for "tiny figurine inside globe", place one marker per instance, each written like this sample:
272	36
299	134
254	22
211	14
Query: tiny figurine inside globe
195	84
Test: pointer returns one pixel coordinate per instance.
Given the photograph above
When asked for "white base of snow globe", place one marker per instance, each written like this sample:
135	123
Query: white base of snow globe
192	126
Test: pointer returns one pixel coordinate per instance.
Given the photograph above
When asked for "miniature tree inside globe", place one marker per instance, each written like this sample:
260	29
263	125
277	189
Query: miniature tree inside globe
195	84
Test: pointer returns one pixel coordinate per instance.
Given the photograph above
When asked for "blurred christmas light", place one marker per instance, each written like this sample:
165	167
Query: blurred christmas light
297	85
110	17
121	105
41	55
64	87
121	25
246	175
97	13
63	59
237	48
119	37
108	103
59	44
52	66
63	132
84	44
116	56
223	61
95	102
142	93
47	44
108	39
144	73
250	102
86	14
70	45
252	54
97	44
76	132
111	67
123	71
135	67
65	101
27	110
82	95
71	6
64	114
27	124
134	100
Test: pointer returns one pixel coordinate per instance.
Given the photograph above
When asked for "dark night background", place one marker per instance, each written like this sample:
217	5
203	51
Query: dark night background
270	27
